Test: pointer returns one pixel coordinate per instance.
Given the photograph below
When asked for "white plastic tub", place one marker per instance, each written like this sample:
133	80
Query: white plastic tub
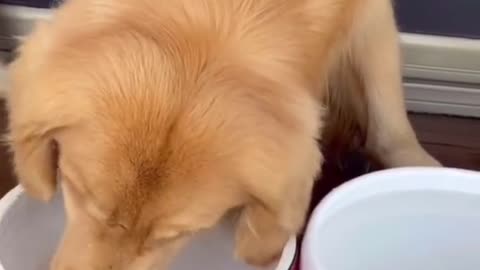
30	231
400	219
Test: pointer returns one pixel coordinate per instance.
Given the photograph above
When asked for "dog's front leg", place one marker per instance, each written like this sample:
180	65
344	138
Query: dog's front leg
260	237
376	51
279	211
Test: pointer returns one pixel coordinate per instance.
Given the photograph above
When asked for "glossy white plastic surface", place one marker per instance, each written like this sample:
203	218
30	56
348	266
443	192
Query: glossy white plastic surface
399	219
30	231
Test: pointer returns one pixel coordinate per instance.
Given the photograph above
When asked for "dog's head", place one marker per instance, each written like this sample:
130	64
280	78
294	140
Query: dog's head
155	135
143	165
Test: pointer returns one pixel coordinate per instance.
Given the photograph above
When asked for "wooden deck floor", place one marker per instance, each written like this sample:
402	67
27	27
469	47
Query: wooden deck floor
454	141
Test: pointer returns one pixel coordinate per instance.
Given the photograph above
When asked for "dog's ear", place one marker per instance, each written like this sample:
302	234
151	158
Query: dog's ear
36	116
41	104
34	156
33	129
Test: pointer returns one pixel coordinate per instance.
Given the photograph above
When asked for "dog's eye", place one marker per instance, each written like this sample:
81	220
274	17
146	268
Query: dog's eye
165	238
167	235
156	243
116	225
123	227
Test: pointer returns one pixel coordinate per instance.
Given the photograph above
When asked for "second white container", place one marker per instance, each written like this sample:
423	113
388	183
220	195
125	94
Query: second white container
400	219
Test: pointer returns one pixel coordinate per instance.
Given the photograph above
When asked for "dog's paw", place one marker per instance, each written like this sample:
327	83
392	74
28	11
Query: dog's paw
410	156
261	259
260	248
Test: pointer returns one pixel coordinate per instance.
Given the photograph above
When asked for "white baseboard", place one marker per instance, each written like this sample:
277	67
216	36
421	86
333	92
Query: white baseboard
445	71
442	99
443	109
442	74
441	58
3	76
17	21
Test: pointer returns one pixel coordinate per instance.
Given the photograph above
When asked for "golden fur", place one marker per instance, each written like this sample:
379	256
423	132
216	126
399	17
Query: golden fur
161	116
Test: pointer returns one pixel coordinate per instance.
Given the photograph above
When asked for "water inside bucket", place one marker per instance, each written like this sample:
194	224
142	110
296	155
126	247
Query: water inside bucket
416	230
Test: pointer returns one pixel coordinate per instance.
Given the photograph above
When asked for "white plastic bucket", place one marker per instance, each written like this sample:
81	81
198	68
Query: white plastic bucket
399	219
30	231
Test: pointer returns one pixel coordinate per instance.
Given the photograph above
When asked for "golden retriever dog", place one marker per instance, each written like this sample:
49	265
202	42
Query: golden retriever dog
161	116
